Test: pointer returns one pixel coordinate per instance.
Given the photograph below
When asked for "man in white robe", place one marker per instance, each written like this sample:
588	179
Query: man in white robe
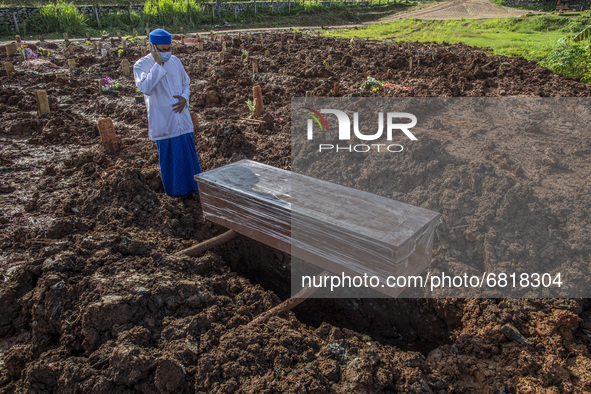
165	84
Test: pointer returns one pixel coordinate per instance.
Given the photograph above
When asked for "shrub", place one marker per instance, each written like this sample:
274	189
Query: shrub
62	16
569	58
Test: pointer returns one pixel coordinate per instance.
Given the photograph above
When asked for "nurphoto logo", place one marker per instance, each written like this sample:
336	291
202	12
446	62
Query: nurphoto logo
344	130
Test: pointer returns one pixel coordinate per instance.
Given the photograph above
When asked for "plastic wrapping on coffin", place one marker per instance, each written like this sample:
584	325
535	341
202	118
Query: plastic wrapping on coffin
330	226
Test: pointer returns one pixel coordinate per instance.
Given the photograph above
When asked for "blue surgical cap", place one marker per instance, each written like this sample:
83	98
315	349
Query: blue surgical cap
160	37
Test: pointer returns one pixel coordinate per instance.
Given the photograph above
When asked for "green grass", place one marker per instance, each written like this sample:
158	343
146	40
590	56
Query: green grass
173	15
531	37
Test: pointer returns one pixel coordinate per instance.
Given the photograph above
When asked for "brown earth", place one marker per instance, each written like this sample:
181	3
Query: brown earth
459	9
93	297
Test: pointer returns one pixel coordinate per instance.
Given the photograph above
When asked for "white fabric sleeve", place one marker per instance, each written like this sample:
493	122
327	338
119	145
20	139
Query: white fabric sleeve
186	85
147	79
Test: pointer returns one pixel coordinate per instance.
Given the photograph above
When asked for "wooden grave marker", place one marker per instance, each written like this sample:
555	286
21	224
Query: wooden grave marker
125	67
42	102
9	68
10	49
195	120
107	133
257	93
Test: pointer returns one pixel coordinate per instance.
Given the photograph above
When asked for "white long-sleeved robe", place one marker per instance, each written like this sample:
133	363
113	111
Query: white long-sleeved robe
160	84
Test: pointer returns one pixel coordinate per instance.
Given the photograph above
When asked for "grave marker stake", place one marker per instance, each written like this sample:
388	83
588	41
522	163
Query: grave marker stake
195	120
9	68
125	67
42	102
258	97
107	133
10	49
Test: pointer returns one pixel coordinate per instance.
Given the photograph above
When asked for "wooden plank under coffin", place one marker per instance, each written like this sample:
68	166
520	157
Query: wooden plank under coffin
331	226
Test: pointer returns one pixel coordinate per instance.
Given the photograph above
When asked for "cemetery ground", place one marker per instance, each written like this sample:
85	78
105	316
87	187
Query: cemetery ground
94	297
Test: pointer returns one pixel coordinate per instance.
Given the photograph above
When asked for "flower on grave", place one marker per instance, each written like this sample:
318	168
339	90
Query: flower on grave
27	53
370	83
110	84
390	85
120	52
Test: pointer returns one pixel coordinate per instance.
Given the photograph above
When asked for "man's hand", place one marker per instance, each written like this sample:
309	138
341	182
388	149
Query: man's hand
178	107
155	53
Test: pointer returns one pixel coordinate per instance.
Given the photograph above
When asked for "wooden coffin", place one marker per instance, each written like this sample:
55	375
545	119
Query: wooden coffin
334	227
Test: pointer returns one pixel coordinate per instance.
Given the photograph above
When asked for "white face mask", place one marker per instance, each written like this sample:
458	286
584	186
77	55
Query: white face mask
165	56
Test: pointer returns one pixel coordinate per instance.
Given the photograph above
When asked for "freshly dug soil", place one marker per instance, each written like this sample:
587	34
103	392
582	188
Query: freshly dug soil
93	297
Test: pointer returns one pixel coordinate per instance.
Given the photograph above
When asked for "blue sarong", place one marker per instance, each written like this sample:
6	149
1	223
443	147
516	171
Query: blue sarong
178	164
